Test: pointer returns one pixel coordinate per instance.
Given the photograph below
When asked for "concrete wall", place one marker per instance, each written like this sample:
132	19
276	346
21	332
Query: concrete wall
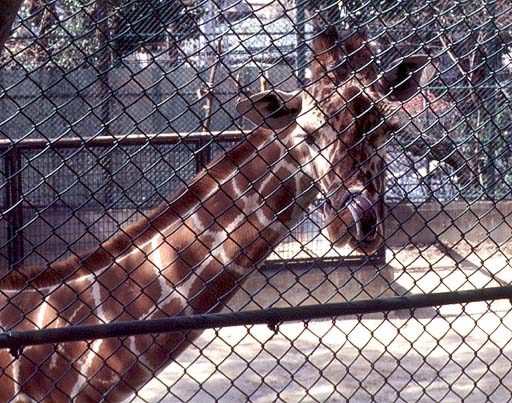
429	222
54	103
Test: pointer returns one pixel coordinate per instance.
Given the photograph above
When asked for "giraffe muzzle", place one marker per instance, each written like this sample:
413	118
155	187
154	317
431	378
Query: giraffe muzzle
365	218
363	213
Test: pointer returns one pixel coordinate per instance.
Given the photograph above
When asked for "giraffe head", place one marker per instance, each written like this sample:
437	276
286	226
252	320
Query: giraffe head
339	125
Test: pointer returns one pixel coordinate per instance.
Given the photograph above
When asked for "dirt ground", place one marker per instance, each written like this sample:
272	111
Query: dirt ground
449	354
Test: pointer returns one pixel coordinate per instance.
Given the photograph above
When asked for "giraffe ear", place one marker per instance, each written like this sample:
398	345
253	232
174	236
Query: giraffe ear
403	81
272	109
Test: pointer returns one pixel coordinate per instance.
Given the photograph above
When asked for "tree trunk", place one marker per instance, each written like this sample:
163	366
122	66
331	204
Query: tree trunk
8	12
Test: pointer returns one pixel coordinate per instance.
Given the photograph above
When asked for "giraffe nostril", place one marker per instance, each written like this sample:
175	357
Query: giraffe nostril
340	200
328	208
365	217
362	210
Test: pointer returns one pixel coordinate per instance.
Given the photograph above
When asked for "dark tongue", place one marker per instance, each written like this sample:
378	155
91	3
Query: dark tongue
364	214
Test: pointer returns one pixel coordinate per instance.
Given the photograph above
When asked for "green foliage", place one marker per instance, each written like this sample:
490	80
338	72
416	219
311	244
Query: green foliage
69	34
54	34
140	22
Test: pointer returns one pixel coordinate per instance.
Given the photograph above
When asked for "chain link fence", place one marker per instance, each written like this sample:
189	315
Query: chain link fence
112	108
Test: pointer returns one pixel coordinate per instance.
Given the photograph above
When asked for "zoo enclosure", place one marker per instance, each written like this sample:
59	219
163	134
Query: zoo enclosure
104	69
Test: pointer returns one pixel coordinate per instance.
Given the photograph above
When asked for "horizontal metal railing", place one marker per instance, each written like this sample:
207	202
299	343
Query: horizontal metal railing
125	140
11	152
15	340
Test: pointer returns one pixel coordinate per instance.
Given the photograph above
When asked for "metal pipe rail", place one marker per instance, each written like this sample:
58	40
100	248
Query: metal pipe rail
16	340
12	150
126	140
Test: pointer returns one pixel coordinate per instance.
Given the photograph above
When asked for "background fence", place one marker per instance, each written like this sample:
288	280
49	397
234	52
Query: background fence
108	107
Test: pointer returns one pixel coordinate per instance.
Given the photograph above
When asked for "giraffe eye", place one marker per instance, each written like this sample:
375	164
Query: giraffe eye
307	136
310	139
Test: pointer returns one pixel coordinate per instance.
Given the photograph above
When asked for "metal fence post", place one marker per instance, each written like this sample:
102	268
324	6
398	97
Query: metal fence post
104	66
489	105
14	208
300	64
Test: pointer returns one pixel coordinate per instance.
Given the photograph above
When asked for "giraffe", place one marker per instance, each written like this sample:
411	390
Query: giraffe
192	253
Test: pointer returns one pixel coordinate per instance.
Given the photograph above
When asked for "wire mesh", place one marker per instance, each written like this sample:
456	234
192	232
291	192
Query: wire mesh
113	108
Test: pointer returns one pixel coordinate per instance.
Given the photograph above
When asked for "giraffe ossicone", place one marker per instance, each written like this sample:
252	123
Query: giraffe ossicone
191	254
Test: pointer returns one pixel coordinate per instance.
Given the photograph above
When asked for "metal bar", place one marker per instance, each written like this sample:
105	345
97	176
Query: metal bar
379	257
15	340
104	89
489	105
128	140
14	209
300	64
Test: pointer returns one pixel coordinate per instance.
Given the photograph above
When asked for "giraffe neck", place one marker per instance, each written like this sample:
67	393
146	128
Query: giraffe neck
188	256
262	197
224	224
238	210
